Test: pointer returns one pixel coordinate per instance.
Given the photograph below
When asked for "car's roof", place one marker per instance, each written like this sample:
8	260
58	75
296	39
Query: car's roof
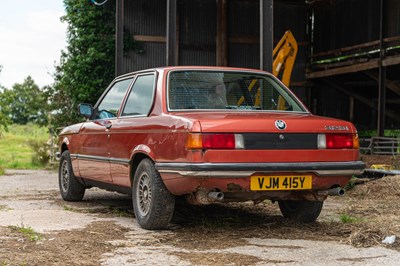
171	68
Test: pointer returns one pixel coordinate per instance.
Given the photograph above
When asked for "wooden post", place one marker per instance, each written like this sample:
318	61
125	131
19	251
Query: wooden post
222	34
119	38
382	77
171	46
266	34
351	111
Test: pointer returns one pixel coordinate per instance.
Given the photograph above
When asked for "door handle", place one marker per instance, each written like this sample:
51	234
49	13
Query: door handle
108	126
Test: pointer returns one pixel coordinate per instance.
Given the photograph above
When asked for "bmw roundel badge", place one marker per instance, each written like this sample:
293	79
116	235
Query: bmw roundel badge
280	124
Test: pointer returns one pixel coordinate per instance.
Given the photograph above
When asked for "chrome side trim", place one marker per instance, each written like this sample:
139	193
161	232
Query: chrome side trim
100	159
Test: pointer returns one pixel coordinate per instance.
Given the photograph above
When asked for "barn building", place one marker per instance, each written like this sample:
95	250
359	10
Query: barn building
348	60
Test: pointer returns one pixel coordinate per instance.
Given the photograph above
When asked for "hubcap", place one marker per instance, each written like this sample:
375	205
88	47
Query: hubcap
143	195
64	176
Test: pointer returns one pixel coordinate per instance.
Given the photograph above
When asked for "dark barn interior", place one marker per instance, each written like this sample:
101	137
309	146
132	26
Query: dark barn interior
348	60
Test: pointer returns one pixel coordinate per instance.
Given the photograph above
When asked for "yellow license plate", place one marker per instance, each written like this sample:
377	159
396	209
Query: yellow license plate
281	182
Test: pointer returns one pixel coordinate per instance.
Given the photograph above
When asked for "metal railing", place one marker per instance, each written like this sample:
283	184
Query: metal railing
380	145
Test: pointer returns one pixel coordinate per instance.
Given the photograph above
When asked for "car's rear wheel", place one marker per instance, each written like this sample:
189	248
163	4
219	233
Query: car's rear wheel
302	211
70	188
153	204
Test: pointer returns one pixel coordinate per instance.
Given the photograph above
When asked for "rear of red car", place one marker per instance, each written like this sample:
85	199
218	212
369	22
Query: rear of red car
258	142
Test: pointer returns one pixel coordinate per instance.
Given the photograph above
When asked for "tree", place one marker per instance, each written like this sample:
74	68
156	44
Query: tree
4	107
27	103
87	65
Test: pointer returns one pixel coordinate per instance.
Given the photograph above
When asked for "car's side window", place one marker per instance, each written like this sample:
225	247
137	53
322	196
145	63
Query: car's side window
109	106
141	96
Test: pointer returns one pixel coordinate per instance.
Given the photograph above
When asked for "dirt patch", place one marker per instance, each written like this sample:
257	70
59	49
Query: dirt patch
376	207
77	247
381	159
221	234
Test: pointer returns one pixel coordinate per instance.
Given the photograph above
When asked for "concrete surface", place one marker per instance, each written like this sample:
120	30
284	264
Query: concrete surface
31	198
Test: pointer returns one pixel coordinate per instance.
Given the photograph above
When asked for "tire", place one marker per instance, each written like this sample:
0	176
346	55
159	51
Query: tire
153	204
301	211
70	188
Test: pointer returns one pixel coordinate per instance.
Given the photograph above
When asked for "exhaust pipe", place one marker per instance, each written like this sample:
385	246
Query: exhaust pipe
202	197
217	196
337	191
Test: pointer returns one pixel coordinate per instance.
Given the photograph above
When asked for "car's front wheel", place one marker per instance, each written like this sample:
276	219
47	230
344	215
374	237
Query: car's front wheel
70	188
302	211
153	204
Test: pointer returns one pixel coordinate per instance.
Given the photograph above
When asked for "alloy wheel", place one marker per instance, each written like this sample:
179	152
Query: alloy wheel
144	194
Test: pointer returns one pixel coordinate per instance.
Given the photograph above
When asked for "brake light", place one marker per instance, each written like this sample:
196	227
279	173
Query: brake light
338	141
215	141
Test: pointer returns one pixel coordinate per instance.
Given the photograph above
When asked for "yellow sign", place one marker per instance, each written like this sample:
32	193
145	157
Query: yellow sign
281	182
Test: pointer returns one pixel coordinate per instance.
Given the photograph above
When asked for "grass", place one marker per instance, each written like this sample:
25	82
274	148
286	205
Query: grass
68	208
15	151
5	208
119	212
347	219
27	232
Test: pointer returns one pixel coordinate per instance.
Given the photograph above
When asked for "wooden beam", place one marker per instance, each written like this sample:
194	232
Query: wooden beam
222	33
388	61
256	40
150	38
357	47
119	37
244	40
171	39
343	70
266	34
393	115
390	84
393	101
392	60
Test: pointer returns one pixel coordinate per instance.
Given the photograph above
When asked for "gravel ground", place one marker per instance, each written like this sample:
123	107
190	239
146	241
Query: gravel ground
101	230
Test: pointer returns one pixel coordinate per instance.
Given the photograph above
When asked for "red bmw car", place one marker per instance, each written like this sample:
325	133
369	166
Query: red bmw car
210	134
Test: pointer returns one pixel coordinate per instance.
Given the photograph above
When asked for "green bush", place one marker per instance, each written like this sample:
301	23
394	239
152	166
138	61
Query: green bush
41	152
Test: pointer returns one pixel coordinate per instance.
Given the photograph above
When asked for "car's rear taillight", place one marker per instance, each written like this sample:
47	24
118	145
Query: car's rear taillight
338	141
215	141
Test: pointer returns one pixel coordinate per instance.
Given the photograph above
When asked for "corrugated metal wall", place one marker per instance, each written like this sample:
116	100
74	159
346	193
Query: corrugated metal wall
146	17
393	18
197	31
243	21
350	22
330	102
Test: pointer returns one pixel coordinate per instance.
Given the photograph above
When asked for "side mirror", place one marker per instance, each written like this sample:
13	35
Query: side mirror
85	110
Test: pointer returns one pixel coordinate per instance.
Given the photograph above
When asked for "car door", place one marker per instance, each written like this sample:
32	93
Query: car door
94	154
131	128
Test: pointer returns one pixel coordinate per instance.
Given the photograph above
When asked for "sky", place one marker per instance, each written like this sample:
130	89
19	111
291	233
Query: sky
31	39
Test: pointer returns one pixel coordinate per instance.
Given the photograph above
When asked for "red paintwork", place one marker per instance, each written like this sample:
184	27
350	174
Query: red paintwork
162	138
